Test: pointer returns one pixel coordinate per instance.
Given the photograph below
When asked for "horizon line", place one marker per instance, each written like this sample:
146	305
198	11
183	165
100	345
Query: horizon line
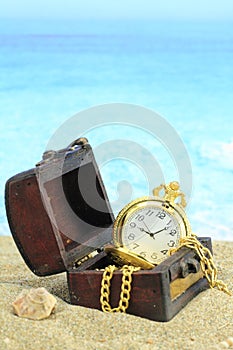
181	18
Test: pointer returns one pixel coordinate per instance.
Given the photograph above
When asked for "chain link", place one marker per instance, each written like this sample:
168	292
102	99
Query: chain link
206	261
127	271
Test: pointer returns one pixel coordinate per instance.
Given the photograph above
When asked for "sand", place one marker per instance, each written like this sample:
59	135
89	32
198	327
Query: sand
203	324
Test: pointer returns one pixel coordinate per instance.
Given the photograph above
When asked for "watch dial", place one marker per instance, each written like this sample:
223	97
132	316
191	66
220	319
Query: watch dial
151	231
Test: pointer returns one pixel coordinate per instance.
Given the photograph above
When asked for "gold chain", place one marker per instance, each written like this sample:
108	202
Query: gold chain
127	271
206	261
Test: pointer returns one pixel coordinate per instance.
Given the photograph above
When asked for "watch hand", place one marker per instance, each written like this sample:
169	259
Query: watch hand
153	233
163	229
149	233
146	226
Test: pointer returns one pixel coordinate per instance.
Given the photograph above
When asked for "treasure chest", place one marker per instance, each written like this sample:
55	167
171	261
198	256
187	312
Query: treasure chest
61	220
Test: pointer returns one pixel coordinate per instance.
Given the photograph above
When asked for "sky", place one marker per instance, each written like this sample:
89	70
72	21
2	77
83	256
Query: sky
129	9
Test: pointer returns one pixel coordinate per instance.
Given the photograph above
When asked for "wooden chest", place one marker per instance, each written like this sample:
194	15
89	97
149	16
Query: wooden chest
157	294
60	218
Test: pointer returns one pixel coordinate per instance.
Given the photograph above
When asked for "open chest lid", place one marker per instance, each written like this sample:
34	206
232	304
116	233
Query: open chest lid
65	215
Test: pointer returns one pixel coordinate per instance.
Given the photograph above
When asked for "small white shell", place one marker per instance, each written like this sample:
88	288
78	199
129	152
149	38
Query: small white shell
35	304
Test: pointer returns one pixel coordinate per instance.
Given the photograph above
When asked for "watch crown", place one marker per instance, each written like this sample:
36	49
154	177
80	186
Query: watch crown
171	193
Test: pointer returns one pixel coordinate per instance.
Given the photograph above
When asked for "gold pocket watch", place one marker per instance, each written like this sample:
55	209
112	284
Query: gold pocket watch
147	228
145	233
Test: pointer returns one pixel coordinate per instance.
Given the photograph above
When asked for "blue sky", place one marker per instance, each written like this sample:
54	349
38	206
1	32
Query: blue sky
162	9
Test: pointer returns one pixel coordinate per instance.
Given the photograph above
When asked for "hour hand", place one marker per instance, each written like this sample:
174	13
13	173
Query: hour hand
152	234
149	233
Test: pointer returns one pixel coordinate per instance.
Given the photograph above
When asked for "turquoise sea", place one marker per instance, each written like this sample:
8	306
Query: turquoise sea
50	70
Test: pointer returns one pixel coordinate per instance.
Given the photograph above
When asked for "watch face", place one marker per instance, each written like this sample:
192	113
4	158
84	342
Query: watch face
150	229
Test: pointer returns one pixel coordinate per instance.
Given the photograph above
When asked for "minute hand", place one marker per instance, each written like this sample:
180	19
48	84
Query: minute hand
155	233
151	234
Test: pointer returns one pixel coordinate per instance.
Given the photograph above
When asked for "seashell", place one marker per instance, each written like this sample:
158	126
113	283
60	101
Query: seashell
35	304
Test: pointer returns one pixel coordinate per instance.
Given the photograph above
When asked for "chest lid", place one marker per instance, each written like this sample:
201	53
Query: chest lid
66	212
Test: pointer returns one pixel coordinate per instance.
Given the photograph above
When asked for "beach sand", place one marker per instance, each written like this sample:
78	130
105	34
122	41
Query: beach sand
203	324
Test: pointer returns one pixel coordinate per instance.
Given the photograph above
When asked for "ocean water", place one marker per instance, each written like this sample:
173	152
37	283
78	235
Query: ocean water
50	70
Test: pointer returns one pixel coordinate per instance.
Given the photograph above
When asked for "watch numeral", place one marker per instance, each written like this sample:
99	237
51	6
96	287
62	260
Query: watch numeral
131	236
140	217
132	224
150	212
135	246
143	254
172	233
161	214
171	244
154	256
164	252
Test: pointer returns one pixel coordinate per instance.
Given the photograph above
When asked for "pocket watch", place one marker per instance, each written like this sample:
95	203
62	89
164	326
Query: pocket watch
148	227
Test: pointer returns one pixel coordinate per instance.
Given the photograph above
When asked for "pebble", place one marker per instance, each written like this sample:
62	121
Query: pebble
228	343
